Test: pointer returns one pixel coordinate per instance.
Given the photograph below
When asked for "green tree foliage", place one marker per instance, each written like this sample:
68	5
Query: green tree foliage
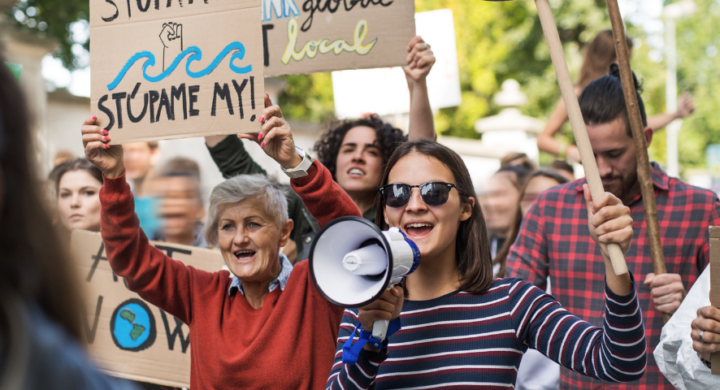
52	18
497	41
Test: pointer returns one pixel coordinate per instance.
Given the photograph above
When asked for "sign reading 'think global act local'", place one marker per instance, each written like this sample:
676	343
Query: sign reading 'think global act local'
127	336
164	69
308	36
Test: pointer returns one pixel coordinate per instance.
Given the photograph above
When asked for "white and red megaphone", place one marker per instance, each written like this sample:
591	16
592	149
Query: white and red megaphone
352	263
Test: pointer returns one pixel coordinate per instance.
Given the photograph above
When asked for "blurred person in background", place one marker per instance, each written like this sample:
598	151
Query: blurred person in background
599	54
499	203
536	371
562	167
520	159
140	159
77	186
61	156
180	205
41	343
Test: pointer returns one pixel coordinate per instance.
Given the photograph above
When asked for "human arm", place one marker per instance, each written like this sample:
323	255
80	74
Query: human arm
317	190
615	353
420	60
546	141
231	157
685	108
157	278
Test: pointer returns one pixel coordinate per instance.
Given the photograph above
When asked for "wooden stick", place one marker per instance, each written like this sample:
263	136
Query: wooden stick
644	170
576	120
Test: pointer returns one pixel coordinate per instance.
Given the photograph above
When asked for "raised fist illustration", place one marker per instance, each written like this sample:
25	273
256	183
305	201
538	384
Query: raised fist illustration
171	38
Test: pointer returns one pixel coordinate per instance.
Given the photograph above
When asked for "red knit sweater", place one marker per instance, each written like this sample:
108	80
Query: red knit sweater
289	343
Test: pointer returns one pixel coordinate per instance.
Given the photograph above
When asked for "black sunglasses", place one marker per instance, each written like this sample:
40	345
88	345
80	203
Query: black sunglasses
433	193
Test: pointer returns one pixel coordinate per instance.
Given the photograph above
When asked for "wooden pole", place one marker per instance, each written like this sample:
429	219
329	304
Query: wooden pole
644	170
576	120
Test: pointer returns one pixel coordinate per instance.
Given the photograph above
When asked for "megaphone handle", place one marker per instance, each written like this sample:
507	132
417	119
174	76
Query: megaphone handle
380	328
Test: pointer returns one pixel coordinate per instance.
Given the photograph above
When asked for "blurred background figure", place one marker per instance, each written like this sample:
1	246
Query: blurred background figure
518	159
62	156
40	303
140	159
180	204
600	53
536	371
535	184
562	167
499	203
77	186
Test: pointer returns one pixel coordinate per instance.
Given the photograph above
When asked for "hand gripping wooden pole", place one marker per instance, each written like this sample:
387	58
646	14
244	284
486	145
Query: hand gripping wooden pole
644	170
576	121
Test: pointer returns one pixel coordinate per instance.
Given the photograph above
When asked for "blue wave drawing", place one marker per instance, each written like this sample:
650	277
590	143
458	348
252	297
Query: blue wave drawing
195	54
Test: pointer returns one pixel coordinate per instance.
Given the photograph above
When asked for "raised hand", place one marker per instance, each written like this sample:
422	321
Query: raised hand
420	60
707	325
685	105
109	158
609	221
275	137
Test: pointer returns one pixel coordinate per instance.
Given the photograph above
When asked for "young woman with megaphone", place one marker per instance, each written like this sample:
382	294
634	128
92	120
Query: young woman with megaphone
459	327
264	324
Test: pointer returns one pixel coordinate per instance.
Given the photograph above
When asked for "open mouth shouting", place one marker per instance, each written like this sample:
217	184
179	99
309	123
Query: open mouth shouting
244	255
356	173
415	230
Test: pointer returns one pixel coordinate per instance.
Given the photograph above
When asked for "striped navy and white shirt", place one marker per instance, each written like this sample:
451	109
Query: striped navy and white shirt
464	340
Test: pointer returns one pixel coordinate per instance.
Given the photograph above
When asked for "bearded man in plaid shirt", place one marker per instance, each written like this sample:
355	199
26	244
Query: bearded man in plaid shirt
554	241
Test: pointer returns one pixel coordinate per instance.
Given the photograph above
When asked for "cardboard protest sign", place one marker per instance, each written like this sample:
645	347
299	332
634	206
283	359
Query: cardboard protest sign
128	337
384	91
715	285
176	69
308	36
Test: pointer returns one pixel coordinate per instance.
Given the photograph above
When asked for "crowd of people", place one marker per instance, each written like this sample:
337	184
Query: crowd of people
515	287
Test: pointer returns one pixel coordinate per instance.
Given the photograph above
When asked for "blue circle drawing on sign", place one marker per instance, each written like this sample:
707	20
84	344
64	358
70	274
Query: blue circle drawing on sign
132	326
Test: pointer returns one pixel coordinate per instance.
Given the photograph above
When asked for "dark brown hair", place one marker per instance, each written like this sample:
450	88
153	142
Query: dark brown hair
599	54
501	255
518	159
328	146
34	263
472	249
78	164
603	100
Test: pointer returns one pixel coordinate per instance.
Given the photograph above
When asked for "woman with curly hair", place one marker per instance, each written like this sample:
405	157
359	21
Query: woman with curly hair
355	151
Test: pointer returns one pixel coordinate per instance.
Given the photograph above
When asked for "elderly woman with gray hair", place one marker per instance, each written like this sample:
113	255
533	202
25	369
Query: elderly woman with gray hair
263	325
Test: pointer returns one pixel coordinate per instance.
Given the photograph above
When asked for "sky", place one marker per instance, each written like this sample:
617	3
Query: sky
639	12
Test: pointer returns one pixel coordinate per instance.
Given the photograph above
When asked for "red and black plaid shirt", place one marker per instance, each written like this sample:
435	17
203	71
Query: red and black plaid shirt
554	241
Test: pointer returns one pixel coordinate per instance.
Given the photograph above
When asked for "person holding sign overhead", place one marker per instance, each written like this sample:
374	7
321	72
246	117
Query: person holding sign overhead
263	324
355	151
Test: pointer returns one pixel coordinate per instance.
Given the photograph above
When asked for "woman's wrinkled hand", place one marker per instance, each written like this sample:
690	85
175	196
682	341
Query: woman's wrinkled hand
96	140
275	136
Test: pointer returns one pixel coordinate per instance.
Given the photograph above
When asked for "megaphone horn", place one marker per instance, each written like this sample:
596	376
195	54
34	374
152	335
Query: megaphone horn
352	262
